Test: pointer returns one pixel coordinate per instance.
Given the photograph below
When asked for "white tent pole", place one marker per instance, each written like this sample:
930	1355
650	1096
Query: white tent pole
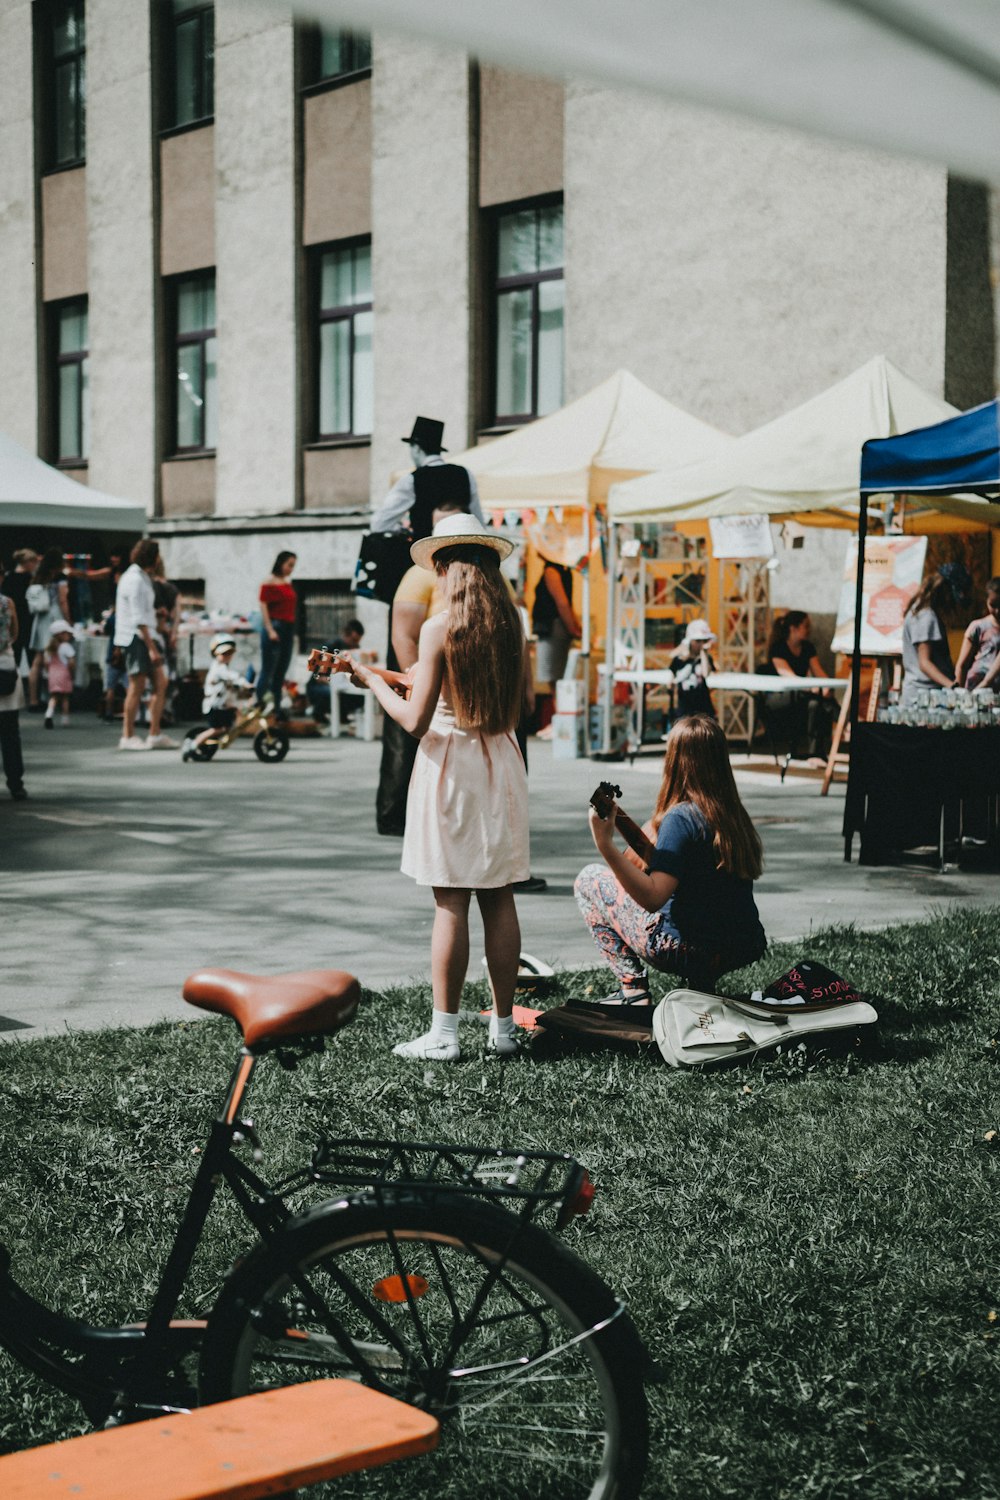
610	630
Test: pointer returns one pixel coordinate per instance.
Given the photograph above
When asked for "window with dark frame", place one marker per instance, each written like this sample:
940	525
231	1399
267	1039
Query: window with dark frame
330	55
324	608
189	96
72	386
345	321
193	309
64	72
529	294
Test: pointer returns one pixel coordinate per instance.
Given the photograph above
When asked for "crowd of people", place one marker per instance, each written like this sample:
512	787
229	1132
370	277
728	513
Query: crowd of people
456	694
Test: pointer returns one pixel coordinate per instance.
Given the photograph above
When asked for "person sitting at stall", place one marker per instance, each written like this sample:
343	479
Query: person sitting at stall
978	664
691	665
792	654
224	690
692	912
927	663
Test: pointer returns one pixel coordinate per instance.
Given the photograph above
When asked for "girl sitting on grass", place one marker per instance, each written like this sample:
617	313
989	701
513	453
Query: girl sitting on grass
467	809
692	913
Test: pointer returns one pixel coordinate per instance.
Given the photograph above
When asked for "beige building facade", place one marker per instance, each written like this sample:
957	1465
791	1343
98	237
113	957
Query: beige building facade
227	289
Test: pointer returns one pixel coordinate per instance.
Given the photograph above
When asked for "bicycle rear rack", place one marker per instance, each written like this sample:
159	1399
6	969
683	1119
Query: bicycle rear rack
532	1179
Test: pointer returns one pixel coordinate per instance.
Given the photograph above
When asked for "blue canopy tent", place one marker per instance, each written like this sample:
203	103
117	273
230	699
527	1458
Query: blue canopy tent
952	461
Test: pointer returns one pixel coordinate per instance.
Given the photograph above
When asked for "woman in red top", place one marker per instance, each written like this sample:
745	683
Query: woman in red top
278	602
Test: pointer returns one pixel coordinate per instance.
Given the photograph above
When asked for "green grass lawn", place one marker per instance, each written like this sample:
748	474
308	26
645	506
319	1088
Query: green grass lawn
809	1247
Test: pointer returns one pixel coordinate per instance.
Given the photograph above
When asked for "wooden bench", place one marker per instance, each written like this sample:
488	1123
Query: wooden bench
265	1444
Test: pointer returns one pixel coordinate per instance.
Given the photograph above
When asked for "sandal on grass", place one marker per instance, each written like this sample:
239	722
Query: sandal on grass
637	998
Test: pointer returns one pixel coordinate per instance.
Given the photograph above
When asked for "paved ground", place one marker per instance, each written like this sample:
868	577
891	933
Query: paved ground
123	873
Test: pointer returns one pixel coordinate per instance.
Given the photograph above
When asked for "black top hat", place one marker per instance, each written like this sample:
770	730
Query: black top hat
427	434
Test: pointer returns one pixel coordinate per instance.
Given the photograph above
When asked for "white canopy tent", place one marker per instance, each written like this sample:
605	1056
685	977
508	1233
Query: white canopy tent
617	430
805	463
32	493
910	76
570	459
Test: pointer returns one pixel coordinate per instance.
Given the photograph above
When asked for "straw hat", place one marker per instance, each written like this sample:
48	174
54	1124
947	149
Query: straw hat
459	530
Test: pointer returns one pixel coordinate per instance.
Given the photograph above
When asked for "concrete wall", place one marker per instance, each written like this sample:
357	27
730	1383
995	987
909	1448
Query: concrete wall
18	381
970	348
64	234
187	487
255	106
336	477
421	202
187	201
337	165
120	250
739	268
520	136
234	564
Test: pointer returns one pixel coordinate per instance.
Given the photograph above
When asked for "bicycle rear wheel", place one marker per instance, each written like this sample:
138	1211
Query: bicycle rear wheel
503	1333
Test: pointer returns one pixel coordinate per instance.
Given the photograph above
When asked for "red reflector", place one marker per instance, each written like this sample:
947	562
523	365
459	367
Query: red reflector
584	1197
395	1288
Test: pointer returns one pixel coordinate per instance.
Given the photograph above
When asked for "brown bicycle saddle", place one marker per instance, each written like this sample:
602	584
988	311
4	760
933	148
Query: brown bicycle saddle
267	1006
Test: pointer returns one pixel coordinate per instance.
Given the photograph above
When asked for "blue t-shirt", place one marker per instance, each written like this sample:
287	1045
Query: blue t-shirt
710	909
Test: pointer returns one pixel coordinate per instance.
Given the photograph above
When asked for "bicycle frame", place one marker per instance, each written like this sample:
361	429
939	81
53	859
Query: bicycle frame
149	1348
128	1370
246	720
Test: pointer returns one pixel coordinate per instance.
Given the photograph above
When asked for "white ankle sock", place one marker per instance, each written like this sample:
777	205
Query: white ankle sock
444	1026
50	711
501	1026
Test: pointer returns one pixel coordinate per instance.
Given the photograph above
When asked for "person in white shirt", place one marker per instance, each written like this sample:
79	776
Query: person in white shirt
455	488
136	633
223	689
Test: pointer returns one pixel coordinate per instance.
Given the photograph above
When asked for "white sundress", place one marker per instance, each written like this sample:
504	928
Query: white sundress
467	808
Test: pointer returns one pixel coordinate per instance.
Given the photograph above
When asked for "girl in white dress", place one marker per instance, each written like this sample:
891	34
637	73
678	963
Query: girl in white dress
467	810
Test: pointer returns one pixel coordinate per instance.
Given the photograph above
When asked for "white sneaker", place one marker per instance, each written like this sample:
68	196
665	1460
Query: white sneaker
132	742
162	742
428	1048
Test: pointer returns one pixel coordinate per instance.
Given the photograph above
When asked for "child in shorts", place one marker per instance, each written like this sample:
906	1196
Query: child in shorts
223	689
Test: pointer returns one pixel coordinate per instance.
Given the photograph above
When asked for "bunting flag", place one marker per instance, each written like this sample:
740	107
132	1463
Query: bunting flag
561	534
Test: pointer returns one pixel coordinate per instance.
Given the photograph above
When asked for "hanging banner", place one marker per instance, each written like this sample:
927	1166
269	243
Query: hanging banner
741	537
894	566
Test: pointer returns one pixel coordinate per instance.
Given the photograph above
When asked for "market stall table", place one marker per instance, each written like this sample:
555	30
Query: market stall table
737	682
907	784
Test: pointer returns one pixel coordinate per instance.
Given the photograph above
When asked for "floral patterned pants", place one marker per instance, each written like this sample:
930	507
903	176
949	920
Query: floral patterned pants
632	939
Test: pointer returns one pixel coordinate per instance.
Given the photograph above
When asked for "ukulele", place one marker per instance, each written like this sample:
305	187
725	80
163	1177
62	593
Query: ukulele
601	801
322	658
320	663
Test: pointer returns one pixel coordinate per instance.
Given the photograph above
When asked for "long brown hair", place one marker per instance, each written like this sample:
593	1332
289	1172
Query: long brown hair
934	593
696	769
484	644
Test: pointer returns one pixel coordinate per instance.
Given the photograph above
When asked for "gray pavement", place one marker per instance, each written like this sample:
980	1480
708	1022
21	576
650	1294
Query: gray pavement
125	872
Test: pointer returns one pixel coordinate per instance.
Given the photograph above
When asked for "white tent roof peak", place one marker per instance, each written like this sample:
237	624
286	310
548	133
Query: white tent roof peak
33	493
619	428
808	459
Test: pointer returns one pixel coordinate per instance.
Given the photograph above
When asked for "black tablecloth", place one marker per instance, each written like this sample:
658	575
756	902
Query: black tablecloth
901	777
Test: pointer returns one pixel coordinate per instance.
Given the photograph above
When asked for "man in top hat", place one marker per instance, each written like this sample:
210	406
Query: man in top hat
431	484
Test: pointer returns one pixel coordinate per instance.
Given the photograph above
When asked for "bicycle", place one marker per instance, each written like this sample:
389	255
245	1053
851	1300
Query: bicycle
424	1276
270	740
